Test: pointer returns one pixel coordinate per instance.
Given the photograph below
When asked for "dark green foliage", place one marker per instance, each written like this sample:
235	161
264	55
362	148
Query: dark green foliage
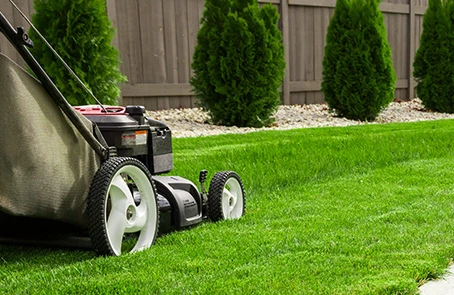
81	33
239	62
358	76
434	59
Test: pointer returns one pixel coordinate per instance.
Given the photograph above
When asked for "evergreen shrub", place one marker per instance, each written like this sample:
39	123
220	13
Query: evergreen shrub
80	31
358	75
238	63
434	60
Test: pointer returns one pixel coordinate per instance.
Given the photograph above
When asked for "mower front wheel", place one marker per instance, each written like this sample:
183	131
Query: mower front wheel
226	196
122	209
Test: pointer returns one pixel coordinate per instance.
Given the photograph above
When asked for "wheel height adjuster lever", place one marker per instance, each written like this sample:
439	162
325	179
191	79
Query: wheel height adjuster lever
203	191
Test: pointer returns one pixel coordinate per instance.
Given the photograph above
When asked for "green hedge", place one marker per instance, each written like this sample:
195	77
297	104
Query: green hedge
358	75
434	59
81	33
238	63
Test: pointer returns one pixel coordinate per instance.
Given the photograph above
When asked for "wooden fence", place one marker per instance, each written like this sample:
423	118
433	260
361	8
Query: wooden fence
156	40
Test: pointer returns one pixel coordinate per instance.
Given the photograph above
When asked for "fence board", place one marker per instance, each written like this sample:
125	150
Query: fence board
285	27
122	30
183	60
170	41
319	38
134	42
309	50
156	41
297	55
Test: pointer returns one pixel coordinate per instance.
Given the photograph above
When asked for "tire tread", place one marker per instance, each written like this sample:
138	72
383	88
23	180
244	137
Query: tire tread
215	194
97	230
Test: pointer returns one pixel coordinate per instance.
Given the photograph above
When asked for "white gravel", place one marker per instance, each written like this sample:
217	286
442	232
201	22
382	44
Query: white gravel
193	122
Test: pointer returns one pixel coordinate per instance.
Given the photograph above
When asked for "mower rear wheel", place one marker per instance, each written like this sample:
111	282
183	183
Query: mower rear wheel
226	196
122	209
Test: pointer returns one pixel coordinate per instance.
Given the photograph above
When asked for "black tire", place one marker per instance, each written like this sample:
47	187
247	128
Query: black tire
122	208
226	199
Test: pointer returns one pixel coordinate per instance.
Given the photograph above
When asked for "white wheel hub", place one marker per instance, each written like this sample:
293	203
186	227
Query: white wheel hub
232	199
130	208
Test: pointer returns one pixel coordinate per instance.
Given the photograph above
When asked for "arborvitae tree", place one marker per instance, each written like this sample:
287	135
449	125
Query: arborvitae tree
239	62
358	77
81	33
336	36
434	59
429	39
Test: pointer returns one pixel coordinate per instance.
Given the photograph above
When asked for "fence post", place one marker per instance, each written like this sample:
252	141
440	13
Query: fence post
412	49
286	40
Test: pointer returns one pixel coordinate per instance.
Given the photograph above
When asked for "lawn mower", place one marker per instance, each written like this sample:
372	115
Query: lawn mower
92	174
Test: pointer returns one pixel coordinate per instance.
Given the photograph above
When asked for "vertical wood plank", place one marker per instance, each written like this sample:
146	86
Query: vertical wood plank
193	28
411	49
291	45
397	46
162	102
326	16
293	49
170	41
285	20
170	45
318	43
181	21
123	40
405	35
134	42
200	10
319	40
309	50
182	42
300	50
112	14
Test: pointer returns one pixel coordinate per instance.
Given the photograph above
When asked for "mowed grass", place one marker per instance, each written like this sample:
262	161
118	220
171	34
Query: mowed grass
351	210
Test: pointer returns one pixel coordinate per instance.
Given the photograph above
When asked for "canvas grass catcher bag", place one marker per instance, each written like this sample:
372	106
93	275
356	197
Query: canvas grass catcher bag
46	166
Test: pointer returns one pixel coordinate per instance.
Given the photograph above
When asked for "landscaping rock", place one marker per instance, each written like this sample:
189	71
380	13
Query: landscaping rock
193	122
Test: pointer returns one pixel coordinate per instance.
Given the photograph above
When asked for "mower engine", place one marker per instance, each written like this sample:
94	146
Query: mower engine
150	141
134	135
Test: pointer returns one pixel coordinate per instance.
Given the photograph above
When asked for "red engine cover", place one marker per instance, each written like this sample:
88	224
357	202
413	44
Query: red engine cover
96	110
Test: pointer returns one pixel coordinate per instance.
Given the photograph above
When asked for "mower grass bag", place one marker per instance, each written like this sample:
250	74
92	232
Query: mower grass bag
46	166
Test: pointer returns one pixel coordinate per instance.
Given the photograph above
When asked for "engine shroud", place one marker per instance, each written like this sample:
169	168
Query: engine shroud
134	134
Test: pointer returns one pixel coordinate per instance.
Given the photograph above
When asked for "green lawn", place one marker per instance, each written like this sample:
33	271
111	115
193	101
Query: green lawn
350	210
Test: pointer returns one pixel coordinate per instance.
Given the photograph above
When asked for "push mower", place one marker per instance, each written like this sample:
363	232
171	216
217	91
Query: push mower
92	172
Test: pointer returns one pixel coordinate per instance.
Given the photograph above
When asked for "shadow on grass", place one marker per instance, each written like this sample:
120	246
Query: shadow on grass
36	256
